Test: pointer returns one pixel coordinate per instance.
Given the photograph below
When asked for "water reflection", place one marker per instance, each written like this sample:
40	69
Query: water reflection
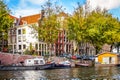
82	73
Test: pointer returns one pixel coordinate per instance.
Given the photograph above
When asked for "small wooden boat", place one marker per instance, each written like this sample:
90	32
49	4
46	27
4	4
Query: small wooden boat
63	64
29	64
85	63
82	64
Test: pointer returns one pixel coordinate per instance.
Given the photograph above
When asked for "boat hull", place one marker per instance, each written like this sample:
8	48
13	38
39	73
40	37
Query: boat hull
86	63
37	67
59	66
82	64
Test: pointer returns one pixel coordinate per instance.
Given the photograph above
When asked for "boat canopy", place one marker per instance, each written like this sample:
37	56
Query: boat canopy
34	61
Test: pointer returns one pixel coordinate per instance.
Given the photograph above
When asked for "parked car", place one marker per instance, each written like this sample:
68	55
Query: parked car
76	56
92	57
67	55
88	57
63	55
73	57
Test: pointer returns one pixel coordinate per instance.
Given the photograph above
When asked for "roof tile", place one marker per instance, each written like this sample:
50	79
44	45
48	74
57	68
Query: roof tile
30	19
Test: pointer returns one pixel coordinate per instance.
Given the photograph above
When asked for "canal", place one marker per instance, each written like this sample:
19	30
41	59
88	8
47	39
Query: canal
81	73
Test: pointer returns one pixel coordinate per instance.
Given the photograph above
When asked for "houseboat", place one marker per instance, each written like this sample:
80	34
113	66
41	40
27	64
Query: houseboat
29	64
107	59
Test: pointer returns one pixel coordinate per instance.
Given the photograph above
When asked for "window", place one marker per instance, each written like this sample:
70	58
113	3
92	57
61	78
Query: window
19	38
14	46
24	46
35	61
60	46
64	38
19	47
14	31
24	31
29	60
36	46
41	62
19	31
40	46
24	38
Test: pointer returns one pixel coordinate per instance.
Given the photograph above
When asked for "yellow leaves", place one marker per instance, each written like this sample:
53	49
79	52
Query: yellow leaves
93	32
49	28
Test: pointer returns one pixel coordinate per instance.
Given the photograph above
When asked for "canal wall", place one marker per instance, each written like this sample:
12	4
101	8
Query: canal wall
9	59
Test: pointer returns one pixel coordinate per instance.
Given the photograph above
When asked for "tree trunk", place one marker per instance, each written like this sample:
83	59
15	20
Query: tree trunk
111	47
97	50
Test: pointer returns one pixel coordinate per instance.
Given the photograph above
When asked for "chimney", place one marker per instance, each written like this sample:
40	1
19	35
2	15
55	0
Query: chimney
42	14
18	23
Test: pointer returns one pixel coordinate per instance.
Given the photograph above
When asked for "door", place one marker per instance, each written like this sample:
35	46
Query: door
112	60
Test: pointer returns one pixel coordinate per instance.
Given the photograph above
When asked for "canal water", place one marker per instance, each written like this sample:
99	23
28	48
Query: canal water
81	73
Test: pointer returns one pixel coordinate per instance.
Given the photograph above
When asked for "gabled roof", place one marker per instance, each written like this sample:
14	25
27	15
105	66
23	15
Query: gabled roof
13	17
30	19
16	20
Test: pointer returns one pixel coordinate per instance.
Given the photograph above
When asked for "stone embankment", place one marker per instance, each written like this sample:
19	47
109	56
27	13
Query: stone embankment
9	59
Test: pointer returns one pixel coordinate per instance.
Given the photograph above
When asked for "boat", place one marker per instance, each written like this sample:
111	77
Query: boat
29	64
63	64
85	63
81	64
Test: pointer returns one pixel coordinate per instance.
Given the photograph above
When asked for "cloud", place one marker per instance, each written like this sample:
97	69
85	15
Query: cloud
37	2
104	4
25	12
27	7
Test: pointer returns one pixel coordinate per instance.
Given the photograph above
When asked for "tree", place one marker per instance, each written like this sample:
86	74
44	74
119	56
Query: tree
49	23
5	21
102	29
30	50
96	27
76	26
113	33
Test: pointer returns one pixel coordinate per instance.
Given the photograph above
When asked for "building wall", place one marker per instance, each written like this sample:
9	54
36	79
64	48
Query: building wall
12	39
25	37
63	45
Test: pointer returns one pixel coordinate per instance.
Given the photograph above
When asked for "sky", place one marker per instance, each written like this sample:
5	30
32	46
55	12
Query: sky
30	7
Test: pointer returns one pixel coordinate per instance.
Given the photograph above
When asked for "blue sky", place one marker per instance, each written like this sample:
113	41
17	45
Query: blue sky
29	7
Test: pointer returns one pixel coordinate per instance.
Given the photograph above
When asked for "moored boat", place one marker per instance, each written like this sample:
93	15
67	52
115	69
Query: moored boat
82	64
63	64
85	63
29	64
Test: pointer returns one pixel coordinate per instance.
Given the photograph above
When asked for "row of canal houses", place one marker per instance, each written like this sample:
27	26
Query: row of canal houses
22	35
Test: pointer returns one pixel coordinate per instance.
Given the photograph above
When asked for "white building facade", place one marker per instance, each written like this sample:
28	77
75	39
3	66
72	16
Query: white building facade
25	38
